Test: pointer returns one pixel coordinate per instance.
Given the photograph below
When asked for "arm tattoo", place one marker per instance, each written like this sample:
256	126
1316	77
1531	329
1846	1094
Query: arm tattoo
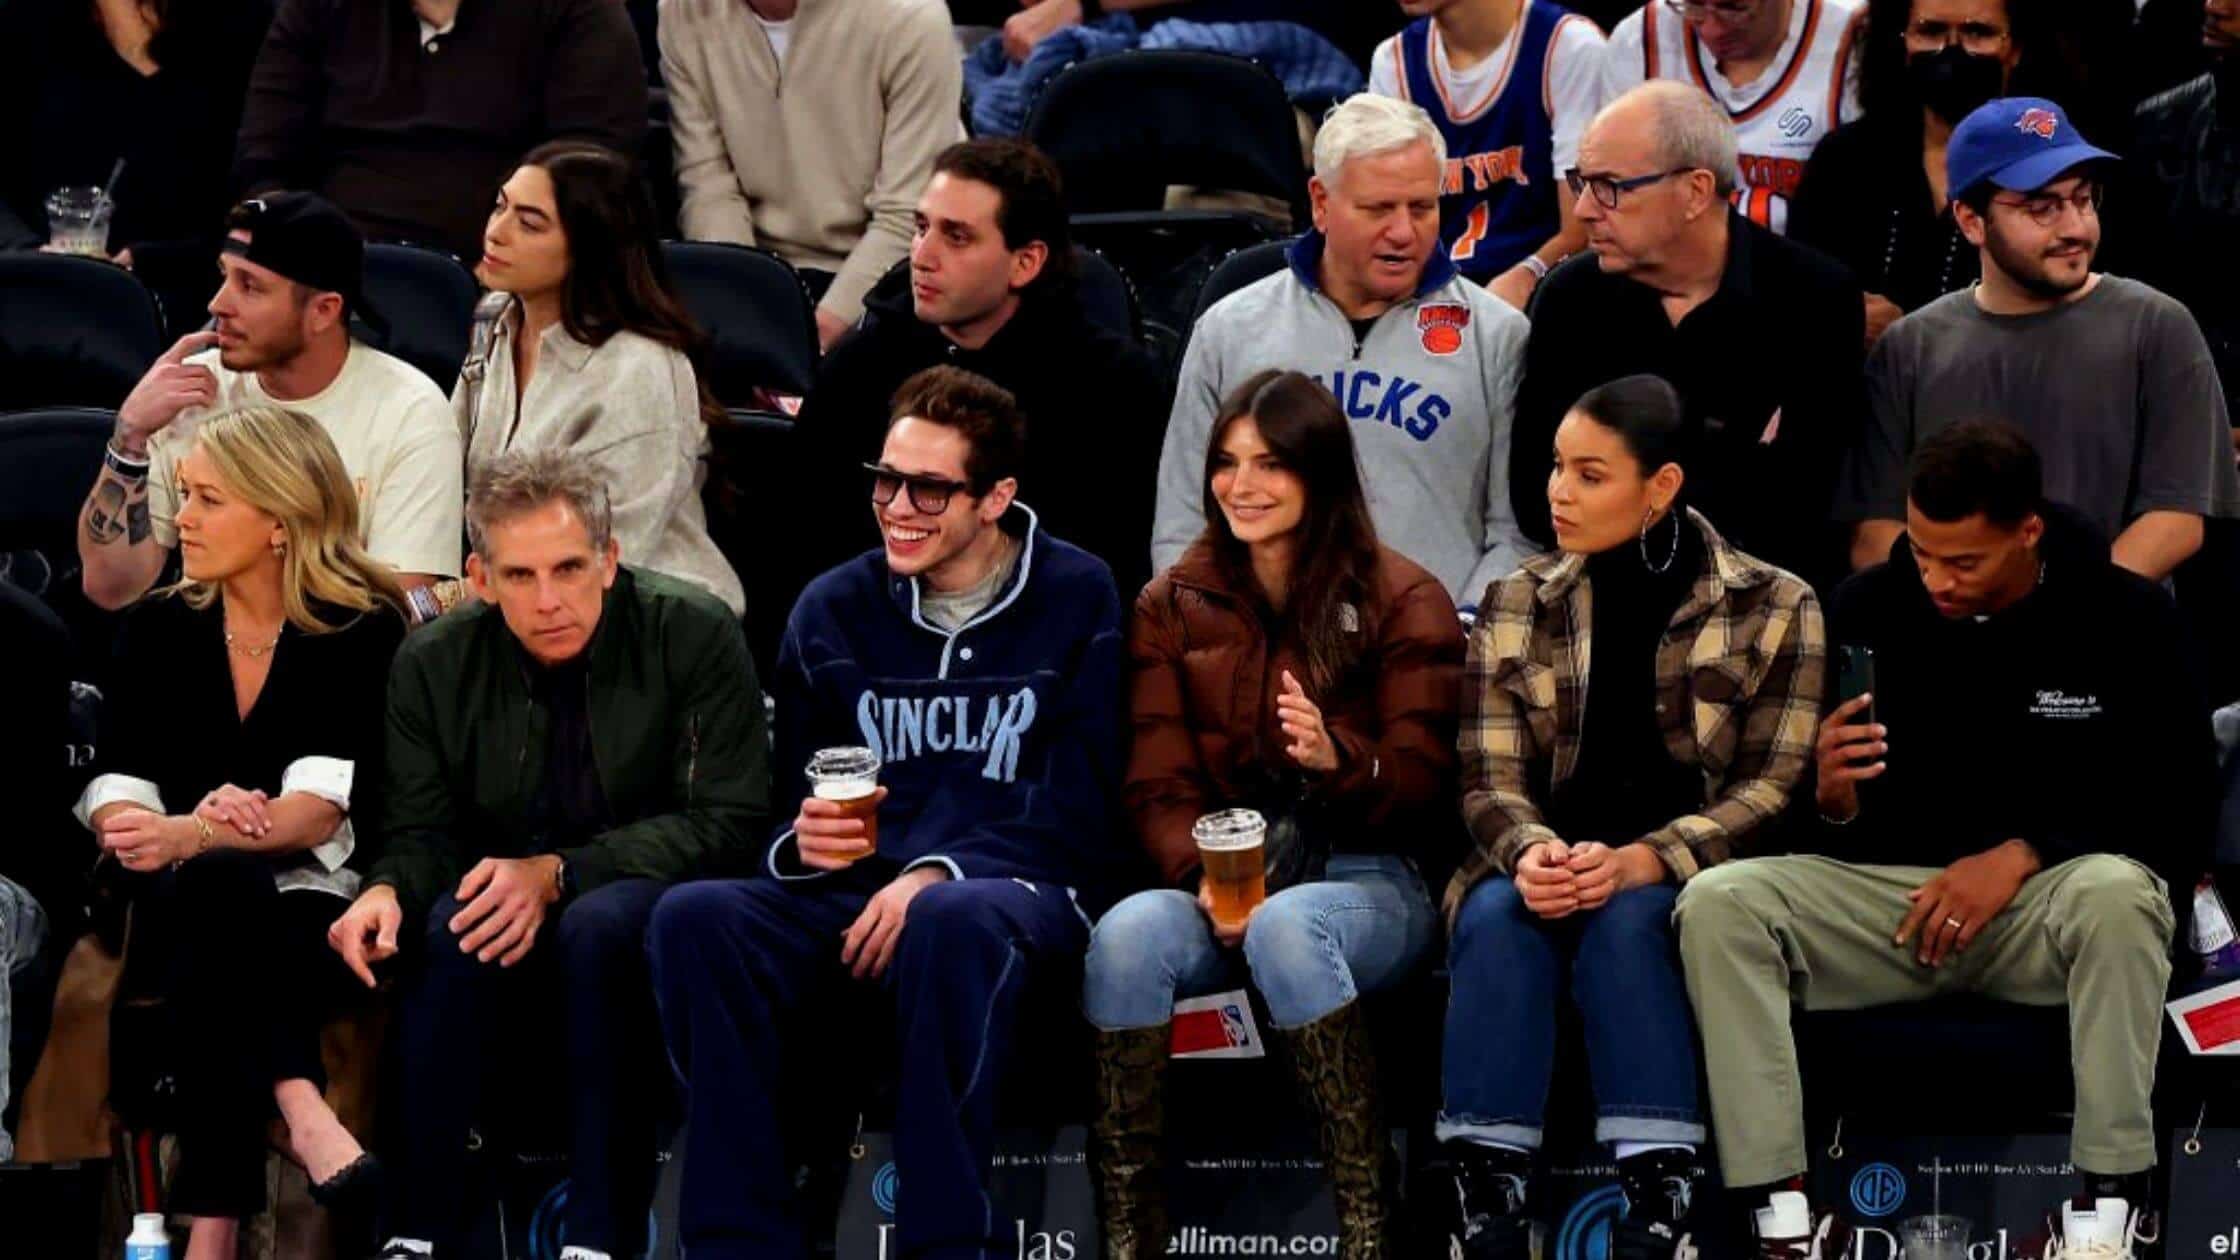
116	510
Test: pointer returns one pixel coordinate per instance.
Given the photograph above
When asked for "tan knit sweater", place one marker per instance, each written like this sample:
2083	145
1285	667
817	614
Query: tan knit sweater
820	160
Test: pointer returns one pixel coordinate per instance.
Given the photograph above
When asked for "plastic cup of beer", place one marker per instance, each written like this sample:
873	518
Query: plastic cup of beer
1230	850
1939	1237
849	778
78	221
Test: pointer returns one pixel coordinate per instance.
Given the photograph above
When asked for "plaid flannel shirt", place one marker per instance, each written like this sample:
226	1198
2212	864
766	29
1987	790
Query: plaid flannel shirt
1739	678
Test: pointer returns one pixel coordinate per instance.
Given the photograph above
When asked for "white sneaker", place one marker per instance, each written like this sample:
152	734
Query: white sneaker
1787	1231
2099	1229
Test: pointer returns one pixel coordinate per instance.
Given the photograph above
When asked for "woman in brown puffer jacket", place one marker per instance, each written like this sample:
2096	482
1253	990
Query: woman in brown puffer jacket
1288	664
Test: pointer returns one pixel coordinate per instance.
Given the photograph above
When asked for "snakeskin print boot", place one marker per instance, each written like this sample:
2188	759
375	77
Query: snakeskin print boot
1338	1079
1125	1141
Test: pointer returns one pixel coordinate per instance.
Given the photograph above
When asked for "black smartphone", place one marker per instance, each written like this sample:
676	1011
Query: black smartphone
1855	678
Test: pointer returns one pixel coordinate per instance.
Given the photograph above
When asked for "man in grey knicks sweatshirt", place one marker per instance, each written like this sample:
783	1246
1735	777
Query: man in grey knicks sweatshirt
1425	362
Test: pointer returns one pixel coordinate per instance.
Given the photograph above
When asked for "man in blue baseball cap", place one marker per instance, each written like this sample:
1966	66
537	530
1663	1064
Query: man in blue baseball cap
2109	378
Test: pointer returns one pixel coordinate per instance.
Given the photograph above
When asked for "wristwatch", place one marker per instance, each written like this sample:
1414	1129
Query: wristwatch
563	878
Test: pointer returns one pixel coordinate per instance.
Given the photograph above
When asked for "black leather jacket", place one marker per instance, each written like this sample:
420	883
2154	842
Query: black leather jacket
2186	152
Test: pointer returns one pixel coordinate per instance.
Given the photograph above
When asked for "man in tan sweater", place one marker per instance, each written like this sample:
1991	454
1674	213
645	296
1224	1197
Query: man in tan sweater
809	127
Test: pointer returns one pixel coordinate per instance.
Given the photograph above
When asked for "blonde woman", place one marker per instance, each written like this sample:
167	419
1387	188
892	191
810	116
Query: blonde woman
239	758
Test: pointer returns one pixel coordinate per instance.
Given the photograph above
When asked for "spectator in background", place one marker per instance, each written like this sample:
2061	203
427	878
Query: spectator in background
37	874
2109	377
1760	335
2009	654
557	755
86	84
581	345
809	129
999	645
408	116
1289	664
990	288
293	268
2187	147
1594	798
1353	26
1422	360
241	754
1874	195
1502	215
1781	69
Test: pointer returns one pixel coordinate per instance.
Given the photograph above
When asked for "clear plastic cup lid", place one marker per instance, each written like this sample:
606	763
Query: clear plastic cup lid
1230	829
844	763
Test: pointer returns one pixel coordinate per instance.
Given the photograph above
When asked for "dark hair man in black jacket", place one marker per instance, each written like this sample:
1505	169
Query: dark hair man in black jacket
2008	810
990	288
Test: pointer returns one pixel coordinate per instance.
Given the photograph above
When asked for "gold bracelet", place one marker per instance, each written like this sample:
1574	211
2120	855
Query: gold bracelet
203	833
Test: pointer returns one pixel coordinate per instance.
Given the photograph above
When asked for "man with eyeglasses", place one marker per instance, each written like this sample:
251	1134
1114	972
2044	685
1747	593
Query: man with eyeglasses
1780	68
978	659
1761	336
2109	378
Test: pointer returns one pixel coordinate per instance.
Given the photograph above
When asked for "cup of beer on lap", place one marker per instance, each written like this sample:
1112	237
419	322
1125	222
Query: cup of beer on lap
1232	851
849	778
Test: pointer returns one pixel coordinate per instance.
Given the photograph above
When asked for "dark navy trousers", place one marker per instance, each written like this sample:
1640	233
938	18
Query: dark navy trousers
734	963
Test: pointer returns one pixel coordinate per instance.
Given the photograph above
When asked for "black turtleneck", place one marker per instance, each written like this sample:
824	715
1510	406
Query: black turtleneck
1625	784
570	808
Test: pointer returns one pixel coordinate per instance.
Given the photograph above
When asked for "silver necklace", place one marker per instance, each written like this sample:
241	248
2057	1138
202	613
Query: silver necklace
251	650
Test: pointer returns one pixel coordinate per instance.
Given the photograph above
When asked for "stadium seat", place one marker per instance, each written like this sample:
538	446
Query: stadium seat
1105	293
48	461
1124	128
428	298
657	165
761	326
1242	267
750	496
74	332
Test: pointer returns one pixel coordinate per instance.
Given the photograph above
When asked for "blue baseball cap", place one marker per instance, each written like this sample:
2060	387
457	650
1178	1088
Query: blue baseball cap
2020	143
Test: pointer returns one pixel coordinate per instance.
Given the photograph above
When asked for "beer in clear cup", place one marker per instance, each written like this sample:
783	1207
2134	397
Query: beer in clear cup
849	778
78	221
1230	851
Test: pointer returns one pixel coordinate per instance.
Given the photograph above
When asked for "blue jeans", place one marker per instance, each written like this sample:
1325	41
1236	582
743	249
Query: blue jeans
1507	964
1311	949
22	925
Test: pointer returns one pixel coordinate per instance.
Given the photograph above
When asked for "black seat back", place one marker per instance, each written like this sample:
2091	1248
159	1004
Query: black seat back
48	461
1124	127
752	500
74	332
427	297
761	326
1246	266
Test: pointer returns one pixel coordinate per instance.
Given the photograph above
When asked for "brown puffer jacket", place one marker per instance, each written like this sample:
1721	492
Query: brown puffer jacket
1204	677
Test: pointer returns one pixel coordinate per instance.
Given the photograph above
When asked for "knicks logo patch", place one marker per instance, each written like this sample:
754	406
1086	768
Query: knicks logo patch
2037	122
1442	327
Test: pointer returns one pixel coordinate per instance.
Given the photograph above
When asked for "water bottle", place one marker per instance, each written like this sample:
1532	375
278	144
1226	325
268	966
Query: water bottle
149	1241
2213	936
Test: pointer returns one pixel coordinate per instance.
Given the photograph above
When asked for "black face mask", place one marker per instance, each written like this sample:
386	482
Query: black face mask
1952	81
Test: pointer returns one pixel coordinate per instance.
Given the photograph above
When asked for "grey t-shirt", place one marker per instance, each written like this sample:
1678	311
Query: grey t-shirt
2116	390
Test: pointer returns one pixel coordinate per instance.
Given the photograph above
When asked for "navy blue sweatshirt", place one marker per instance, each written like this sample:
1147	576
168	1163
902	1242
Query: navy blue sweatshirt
2070	720
1003	743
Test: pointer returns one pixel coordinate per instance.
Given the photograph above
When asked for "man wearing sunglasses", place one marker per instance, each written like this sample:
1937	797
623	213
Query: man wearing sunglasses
2109	378
978	659
1761	336
1780	68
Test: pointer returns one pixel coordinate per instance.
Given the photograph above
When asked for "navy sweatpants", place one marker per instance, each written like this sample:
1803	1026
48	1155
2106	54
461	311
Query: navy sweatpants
582	996
734	959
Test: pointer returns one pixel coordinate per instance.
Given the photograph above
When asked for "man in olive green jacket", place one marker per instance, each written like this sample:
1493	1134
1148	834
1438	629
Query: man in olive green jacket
558	754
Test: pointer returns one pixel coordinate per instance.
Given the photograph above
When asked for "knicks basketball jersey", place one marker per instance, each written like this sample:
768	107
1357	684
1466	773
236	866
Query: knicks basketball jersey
1499	199
1781	117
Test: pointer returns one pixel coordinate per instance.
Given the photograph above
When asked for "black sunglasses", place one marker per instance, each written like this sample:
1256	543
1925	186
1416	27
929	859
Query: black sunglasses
929	495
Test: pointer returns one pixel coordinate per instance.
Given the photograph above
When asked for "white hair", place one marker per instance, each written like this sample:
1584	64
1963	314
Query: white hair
1366	125
1692	131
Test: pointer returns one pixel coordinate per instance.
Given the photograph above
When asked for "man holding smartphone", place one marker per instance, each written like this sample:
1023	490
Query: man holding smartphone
2011	652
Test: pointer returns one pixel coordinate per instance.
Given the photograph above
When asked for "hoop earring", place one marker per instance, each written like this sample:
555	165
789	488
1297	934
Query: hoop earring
1672	553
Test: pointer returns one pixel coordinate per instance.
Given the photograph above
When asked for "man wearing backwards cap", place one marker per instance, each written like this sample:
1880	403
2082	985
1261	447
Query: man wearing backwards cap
2110	379
280	334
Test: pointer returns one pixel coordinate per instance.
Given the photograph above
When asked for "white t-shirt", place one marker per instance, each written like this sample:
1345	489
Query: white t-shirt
394	431
1809	90
780	33
1573	86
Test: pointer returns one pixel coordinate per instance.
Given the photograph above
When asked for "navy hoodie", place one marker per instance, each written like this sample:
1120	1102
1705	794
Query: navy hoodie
1003	743
2070	720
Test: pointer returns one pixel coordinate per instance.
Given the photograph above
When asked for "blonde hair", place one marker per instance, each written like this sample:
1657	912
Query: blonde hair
283	464
1366	125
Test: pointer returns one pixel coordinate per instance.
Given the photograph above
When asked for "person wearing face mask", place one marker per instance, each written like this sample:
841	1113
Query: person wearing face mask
1287	663
1874	195
1780	68
1597	787
582	345
2111	378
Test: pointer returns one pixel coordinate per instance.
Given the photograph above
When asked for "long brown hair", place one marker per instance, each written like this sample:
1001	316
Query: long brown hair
618	279
1334	565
